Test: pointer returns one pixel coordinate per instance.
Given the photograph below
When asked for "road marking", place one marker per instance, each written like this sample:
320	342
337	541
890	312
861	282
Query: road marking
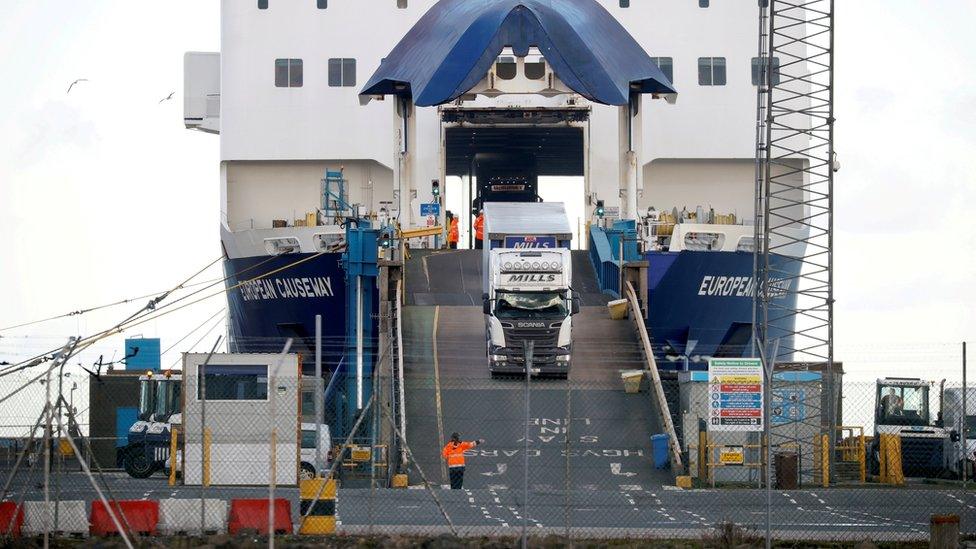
437	383
423	260
615	469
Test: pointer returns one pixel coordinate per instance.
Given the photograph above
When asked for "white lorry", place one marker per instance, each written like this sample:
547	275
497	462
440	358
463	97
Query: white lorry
528	289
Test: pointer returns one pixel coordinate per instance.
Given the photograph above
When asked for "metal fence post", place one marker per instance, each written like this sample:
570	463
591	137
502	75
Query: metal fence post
962	434
529	348
319	396
204	442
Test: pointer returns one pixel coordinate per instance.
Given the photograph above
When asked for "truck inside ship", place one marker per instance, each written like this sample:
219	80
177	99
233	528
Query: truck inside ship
500	155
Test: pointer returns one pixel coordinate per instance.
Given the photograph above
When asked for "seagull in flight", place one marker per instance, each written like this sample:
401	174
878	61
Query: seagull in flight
168	97
75	82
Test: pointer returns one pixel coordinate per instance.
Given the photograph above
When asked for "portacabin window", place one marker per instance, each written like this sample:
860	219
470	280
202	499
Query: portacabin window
288	73
342	72
262	4
666	64
711	71
759	71
233	381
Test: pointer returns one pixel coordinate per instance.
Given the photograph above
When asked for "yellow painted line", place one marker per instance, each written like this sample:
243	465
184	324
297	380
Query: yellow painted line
437	395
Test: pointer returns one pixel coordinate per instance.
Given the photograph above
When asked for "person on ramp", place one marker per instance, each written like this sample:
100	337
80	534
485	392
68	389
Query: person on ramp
453	452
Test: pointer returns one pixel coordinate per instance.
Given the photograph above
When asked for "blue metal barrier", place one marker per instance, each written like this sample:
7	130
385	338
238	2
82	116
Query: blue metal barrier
606	246
607	266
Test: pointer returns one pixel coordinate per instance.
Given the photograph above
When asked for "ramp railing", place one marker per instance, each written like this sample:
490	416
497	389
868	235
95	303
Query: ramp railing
650	364
400	394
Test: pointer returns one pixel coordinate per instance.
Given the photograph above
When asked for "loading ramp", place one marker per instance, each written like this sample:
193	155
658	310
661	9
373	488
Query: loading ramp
585	433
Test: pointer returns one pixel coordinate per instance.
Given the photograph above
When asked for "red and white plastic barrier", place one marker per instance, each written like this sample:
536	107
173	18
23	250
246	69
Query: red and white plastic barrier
251	515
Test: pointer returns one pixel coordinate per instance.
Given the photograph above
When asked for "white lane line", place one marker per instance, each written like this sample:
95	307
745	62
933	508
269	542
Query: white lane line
437	383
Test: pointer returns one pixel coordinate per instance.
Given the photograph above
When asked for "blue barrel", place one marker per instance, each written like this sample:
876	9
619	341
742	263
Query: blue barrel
659	448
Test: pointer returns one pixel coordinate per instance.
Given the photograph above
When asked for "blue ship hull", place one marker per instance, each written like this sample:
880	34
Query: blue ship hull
700	304
267	311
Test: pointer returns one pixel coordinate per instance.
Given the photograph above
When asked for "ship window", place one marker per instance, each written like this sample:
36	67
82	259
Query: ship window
288	73
666	64
535	71
711	71
506	68
233	382
763	3
342	72
746	244
322	4
759	71
262	4
704	242
402	4
624	3
703	3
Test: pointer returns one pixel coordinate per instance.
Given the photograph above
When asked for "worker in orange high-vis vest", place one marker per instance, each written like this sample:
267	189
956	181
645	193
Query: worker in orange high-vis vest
453	452
453	234
479	230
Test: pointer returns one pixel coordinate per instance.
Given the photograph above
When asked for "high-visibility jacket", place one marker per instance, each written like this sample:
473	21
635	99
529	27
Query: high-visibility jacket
479	227
452	232
454	452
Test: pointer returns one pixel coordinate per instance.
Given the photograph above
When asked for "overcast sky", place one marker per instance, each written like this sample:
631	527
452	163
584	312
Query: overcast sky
105	196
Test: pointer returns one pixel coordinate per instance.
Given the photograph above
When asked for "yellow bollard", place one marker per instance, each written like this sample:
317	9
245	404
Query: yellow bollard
883	459
321	515
825	460
702	455
172	456
206	457
895	472
862	459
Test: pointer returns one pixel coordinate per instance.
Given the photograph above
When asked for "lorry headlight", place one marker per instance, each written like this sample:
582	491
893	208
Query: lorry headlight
508	266
535	265
545	265
499	358
562	358
156	428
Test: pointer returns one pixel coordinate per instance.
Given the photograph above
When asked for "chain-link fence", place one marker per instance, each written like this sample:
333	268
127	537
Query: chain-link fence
851	452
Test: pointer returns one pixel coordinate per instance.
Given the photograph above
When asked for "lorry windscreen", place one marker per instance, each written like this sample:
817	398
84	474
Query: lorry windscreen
167	398
512	305
147	401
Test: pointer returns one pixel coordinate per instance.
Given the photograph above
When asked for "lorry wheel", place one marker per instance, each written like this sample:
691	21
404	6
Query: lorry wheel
307	472
137	465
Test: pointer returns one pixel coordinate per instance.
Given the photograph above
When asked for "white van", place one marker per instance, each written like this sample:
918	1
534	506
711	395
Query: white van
307	455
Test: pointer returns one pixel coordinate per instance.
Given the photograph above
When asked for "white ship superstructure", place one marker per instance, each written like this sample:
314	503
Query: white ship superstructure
286	107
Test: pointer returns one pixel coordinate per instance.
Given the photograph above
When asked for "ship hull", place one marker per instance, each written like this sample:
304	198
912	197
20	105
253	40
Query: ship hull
700	305
273	298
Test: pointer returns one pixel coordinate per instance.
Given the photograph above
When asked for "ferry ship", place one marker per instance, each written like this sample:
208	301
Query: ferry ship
296	96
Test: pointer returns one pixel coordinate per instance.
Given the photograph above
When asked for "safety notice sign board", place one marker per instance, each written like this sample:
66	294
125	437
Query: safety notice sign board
732	455
735	394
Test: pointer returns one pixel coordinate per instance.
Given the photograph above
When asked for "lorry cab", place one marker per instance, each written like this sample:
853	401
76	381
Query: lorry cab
530	299
902	408
148	440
